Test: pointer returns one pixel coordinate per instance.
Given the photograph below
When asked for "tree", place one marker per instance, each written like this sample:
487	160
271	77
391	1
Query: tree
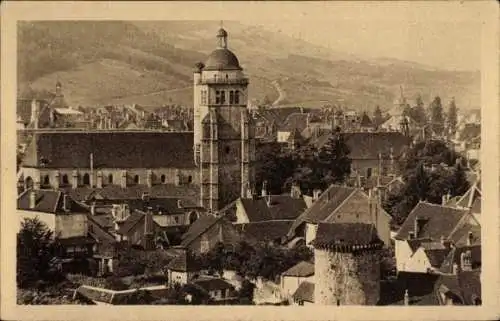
35	250
436	116
377	116
328	165
245	294
273	166
452	118
418	112
430	171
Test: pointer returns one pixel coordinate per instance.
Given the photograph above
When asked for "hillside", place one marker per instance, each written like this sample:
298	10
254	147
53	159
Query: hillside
150	63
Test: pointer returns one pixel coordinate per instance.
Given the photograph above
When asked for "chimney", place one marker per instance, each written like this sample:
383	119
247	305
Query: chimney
32	199
316	194
74	182
295	190
443	200
57	180
99	179
264	189
177	177
406	298
65	203
92	208
470	239
148	229
149	178
124	179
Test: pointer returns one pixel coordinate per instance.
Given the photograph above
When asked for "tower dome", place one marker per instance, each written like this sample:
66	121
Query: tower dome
222	58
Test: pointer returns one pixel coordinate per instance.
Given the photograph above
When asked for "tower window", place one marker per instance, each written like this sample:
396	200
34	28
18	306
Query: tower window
236	97
218	97
190	179
203	97
227	149
163	179
136	179
231	97
86	179
110	178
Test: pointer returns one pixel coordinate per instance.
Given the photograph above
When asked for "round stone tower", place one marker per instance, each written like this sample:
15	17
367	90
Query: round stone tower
347	264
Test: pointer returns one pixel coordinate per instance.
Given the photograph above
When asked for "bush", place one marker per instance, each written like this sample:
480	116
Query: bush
115	283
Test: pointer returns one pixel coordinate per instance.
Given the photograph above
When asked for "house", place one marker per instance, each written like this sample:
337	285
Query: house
293	278
433	228
61	214
304	295
77	236
339	204
270	207
372	153
219	290
207	231
427	256
462	258
101	296
137	228
183	268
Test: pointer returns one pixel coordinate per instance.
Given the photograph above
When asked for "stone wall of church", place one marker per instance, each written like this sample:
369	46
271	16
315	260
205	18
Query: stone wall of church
113	176
346	278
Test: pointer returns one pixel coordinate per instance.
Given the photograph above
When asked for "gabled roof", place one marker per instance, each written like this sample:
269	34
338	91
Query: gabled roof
364	145
328	202
436	256
366	121
472	198
281	207
49	201
439	221
184	262
198	228
305	292
264	231
346	234
115	149
213	284
132	220
301	269
294	122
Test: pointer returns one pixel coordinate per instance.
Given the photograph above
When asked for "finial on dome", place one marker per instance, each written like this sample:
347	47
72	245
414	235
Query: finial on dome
222	37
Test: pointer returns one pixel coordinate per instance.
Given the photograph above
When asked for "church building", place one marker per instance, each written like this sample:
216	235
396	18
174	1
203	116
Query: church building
217	159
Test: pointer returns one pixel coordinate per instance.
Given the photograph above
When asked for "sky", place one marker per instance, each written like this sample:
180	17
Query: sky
444	34
447	36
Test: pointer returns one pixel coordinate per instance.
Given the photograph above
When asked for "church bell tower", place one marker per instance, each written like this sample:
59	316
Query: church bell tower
224	144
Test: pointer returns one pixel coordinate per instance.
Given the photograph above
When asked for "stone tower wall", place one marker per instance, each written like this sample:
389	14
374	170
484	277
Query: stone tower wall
346	278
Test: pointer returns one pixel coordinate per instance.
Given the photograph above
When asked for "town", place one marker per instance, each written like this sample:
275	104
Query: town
224	202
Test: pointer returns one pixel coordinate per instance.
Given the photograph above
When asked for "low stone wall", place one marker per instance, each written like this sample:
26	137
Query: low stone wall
346	278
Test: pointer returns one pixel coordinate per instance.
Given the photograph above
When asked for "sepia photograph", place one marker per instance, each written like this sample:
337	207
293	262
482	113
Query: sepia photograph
246	160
